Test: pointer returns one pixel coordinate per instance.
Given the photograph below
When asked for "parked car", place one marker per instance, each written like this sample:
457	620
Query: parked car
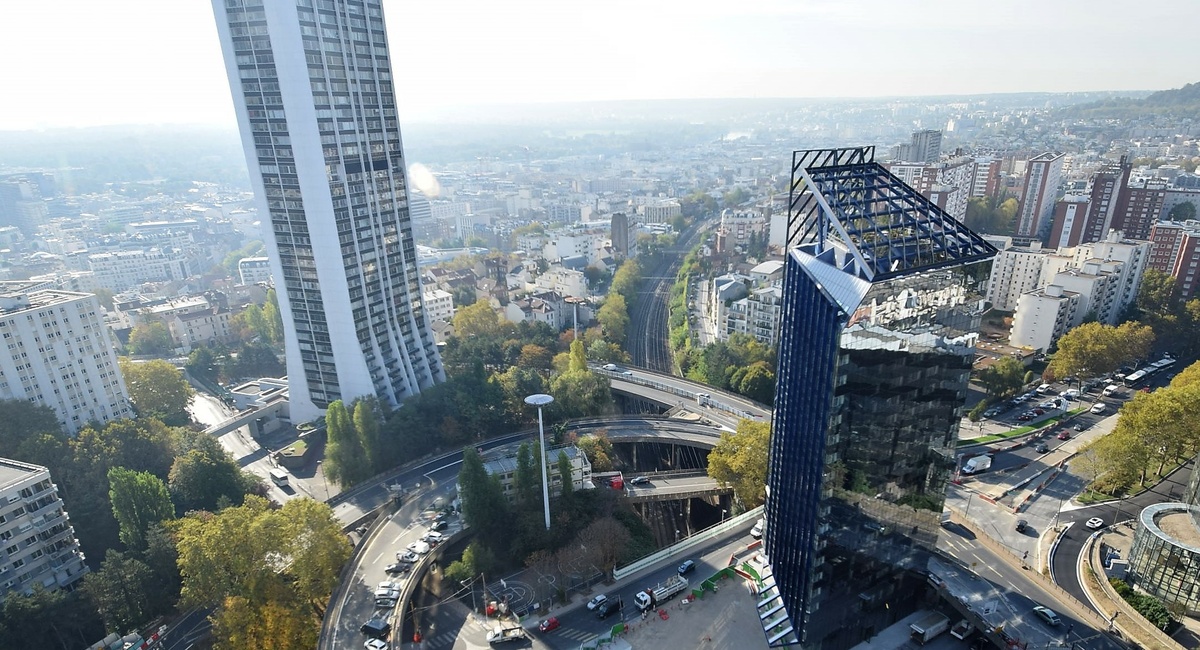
1095	523
991	413
1079	426
548	625
1041	448
407	556
1039	411
438	525
1041	390
1046	615
1024	417
757	531
687	567
433	538
1022	525
420	548
1064	435
376	628
375	644
597	601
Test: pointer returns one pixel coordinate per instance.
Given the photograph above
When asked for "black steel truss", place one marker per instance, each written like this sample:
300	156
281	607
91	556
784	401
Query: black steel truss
888	227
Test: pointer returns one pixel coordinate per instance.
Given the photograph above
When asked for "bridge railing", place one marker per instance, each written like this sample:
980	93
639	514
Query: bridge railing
700	397
698	539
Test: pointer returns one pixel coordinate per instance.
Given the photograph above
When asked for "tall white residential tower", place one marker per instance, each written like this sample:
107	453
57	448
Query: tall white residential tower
313	90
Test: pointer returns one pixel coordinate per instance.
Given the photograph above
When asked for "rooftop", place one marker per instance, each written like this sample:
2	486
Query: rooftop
12	472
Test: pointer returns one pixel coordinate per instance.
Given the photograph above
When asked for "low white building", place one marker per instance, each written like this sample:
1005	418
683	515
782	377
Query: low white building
568	282
506	470
439	305
253	270
1043	316
125	269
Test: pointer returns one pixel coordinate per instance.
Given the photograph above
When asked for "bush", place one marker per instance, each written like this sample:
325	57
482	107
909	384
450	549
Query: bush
1151	608
976	413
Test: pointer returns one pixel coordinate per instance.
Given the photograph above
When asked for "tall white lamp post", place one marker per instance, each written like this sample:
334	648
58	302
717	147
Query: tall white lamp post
539	400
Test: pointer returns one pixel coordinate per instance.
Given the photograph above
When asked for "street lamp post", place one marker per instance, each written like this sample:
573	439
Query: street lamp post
723	513
539	400
324	480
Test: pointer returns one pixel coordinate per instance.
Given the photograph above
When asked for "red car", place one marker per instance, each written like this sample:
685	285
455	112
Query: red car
1064	435
548	624
1039	411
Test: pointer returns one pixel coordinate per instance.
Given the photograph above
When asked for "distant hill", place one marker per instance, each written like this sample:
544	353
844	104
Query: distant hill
1177	102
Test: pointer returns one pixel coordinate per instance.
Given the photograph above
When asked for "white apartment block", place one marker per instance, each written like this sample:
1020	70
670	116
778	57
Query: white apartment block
253	270
58	354
758	315
440	305
1133	256
37	543
567	282
1043	316
1015	271
206	327
660	210
125	269
738	226
590	244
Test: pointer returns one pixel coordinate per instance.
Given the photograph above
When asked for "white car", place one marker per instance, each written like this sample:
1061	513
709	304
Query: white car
597	601
433	538
1095	523
611	367
375	644
420	548
407	556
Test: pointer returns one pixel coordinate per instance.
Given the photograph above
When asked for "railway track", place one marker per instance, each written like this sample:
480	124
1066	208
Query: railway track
649	343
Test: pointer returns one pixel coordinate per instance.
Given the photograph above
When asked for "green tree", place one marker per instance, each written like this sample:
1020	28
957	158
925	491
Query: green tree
123	590
48	619
567	491
345	458
578	358
527	478
1158	295
272	318
157	389
598	449
204	477
605	352
580	394
139	500
626	280
484	507
756	381
150	338
516	384
21	421
366	426
478	319
203	363
1183	212
614	319
1003	378
739	460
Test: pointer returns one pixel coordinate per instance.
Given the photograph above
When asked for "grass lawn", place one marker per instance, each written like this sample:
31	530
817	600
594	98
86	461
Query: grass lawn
1020	431
295	449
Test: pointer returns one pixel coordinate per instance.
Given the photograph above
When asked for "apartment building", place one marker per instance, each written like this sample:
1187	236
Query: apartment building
1043	174
1016	270
506	470
1043	316
37	543
440	304
58	354
121	270
252	270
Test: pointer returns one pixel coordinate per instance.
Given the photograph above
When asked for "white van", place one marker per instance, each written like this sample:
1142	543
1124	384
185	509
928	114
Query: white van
1099	407
1110	390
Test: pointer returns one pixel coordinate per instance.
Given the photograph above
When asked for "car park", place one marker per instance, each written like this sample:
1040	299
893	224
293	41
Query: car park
609	607
1046	615
548	625
1095	523
599	600
687	567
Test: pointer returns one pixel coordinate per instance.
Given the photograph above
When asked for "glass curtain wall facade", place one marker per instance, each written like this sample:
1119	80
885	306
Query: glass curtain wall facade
1165	558
313	91
883	294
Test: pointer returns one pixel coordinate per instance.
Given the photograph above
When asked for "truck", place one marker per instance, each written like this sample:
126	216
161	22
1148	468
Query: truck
977	464
500	634
661	592
962	629
929	626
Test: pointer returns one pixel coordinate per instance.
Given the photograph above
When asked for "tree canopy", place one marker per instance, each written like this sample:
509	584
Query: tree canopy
157	389
1094	349
1003	378
139	500
739	460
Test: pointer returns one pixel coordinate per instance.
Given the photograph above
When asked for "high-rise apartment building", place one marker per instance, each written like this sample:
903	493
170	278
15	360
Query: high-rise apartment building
882	299
57	353
316	106
1175	249
1043	174
948	183
37	543
925	147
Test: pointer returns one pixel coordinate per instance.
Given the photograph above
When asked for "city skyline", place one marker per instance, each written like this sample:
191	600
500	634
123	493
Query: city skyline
467	55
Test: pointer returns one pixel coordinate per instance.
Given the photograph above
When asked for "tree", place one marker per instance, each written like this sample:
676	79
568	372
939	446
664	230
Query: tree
535	356
277	625
1182	212
204	477
366	427
1158	295
527	477
484	507
282	563
157	389
139	499
607	538
22	420
598	449
756	381
626	280
203	363
605	352
739	460
150	338
578	358
614	319
272	318
567	491
1003	378
123	590
1095	349
478	319
48	619
345	458
580	394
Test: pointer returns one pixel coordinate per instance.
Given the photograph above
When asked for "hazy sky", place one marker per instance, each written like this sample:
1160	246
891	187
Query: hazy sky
92	62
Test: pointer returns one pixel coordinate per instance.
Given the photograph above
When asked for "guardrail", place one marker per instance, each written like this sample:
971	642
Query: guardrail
700	537
1130	616
690	394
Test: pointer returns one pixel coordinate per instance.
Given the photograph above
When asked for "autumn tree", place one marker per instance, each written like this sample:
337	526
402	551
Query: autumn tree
739	460
157	389
478	319
613	317
1094	349
598	449
1003	378
535	356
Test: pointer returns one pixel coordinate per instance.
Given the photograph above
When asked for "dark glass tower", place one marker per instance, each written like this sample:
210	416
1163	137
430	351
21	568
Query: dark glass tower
882	297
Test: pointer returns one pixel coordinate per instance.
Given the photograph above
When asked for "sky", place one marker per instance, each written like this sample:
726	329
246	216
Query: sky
102	62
